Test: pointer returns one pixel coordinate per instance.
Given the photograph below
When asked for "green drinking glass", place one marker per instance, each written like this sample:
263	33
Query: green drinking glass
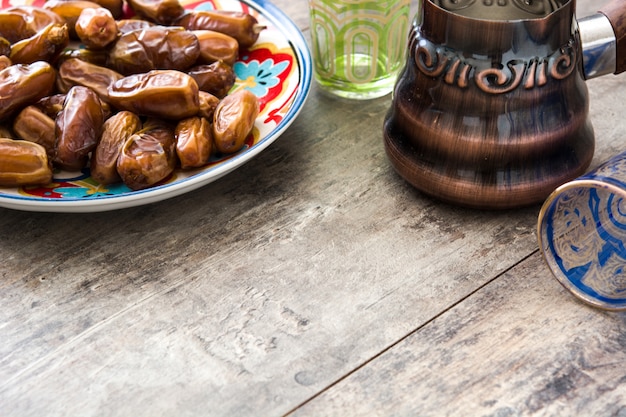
358	46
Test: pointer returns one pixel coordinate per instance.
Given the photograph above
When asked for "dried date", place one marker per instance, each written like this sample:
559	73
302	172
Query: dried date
148	156
208	104
23	163
77	128
155	47
21	22
217	78
70	11
242	26
33	125
233	120
96	28
116	7
216	46
115	132
159	11
194	142
5	62
5	49
128	25
45	45
21	85
167	94
75	71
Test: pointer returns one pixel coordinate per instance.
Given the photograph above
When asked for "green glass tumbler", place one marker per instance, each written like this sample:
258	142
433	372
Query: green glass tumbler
358	46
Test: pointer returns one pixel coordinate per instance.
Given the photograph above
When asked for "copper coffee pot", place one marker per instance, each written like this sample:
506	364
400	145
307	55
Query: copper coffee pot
492	110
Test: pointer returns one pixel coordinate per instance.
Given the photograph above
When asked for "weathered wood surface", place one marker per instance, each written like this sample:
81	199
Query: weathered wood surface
303	277
517	347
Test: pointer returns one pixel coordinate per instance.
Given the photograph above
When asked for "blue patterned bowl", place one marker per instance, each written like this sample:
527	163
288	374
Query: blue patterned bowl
582	235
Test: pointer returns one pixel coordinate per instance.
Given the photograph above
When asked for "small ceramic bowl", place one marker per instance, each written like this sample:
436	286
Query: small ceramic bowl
582	235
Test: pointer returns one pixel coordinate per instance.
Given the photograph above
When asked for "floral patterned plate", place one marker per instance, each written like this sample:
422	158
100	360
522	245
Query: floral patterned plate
277	69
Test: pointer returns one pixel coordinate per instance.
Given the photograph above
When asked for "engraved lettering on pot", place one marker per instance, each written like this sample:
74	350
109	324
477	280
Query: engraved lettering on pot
562	63
434	61
536	73
501	80
430	60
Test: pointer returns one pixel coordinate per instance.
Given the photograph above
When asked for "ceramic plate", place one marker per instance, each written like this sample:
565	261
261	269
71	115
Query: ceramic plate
277	69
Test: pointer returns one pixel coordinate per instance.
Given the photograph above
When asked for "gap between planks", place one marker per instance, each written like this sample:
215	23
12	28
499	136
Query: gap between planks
409	334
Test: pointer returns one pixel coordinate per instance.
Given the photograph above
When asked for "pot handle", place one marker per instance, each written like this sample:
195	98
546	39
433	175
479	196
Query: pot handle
615	11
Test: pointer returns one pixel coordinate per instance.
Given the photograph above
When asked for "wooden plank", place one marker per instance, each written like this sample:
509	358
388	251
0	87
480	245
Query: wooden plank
522	346
294	269
254	293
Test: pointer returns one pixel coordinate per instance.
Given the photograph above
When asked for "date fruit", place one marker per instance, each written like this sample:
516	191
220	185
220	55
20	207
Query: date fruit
128	25
70	10
51	105
216	46
5	62
159	11
217	78
233	120
77	128
194	142
148	156
45	45
115	132
33	125
5	50
155	47
96	28
21	22
242	26
24	84
208	104
116	7
167	94
23	163
75	71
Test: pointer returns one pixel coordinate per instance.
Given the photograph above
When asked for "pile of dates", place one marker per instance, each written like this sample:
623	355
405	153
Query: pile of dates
135	99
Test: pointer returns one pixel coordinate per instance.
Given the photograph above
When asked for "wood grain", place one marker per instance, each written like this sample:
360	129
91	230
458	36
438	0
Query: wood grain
520	346
261	291
294	269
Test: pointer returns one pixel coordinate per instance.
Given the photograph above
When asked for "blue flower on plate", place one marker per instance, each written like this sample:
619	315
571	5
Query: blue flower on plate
259	77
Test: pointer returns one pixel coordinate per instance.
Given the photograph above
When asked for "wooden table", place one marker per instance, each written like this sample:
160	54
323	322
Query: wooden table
312	281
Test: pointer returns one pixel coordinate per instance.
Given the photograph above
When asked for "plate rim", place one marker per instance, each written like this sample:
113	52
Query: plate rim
296	40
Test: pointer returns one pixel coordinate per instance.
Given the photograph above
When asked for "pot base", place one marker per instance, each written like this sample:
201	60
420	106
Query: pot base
513	187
